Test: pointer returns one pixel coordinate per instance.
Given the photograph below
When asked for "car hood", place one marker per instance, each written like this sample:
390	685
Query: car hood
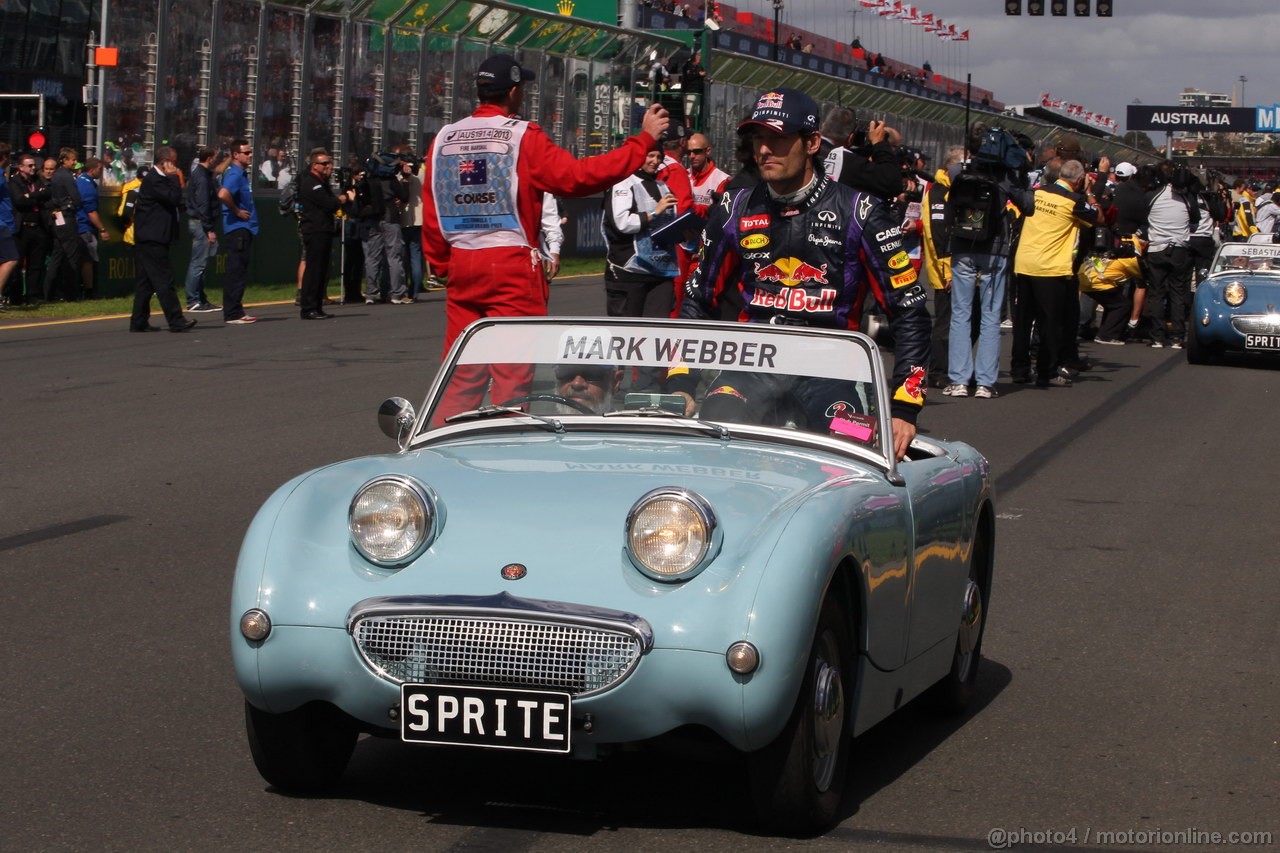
558	506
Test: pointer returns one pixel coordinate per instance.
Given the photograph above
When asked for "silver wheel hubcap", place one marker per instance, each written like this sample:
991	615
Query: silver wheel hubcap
970	628
828	722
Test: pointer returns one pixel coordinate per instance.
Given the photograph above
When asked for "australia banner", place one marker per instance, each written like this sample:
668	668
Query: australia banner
1191	119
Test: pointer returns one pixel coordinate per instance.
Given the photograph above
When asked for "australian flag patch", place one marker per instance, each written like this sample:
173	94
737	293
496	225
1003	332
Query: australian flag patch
473	173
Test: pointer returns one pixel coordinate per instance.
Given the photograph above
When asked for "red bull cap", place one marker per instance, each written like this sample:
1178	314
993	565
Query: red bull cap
783	111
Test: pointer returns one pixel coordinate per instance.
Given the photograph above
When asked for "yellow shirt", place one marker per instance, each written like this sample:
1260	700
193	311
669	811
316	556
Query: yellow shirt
937	268
1244	225
1048	243
134	184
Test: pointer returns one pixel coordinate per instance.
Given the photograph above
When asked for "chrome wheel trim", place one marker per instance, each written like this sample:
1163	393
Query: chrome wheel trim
970	630
828	716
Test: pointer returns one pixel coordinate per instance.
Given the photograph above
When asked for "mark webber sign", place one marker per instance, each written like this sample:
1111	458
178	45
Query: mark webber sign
1192	119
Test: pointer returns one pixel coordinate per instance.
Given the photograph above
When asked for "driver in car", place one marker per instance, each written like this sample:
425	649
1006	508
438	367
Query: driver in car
591	385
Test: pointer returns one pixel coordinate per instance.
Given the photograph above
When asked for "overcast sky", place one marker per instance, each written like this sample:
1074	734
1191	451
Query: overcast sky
1149	51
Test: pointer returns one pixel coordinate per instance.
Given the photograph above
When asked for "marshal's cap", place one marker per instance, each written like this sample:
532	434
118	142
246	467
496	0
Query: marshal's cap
499	73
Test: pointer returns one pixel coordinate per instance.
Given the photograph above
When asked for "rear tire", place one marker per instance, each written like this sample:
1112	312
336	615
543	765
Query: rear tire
798	780
302	750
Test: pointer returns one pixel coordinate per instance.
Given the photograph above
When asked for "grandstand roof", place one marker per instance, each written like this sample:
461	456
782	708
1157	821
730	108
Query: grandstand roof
584	29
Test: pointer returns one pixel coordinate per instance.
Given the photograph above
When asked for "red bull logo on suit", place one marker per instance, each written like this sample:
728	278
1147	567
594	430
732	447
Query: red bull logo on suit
791	271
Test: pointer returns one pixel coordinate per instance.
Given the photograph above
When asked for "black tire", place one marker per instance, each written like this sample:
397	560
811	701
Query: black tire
952	695
302	750
1197	353
798	780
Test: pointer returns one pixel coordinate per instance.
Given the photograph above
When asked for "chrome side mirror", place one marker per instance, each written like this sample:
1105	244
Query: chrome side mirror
395	418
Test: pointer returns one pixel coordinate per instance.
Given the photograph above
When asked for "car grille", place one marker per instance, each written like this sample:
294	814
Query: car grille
1256	324
427	649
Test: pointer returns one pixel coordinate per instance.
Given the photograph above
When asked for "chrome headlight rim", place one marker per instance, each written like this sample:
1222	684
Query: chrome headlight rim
430	511
1235	294
705	514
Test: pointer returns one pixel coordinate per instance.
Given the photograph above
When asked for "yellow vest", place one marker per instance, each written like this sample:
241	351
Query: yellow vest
1244	224
131	186
937	269
1048	243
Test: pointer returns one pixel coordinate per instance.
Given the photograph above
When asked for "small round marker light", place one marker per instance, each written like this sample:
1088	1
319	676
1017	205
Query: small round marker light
742	657
255	625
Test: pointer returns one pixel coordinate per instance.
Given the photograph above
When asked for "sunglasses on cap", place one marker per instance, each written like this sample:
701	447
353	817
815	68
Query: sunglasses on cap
595	374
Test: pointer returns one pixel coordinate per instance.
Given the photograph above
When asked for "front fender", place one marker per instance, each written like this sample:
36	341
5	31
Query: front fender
852	518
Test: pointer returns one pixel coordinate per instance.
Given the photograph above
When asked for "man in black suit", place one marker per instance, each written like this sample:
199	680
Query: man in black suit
155	227
319	204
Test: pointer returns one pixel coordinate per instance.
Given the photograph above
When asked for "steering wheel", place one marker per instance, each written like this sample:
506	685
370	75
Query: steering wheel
551	398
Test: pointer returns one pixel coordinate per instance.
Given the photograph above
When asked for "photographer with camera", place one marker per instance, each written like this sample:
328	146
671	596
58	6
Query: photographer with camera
1173	216
365	213
981	231
863	158
381	199
639	272
411	219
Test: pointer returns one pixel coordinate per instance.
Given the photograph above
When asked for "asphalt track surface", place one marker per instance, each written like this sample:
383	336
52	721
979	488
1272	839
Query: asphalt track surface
1130	683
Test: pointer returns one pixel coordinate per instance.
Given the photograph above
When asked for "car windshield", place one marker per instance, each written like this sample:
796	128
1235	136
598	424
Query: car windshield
711	376
1247	257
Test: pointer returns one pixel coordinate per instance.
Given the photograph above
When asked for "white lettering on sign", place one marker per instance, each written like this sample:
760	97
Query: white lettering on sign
418	710
472	712
527	706
549	719
1210	119
447	710
501	728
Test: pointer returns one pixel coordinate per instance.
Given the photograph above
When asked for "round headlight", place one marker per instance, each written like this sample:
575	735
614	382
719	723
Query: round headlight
1234	294
669	533
391	520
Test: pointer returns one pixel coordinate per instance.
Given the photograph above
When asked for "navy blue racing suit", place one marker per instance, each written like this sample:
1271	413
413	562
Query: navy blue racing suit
811	263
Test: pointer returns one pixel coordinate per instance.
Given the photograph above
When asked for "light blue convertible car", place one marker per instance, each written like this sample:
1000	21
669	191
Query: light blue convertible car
1234	309
598	531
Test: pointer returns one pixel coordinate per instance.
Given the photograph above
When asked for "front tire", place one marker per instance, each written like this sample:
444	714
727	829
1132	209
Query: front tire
798	780
952	694
302	750
1197	353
